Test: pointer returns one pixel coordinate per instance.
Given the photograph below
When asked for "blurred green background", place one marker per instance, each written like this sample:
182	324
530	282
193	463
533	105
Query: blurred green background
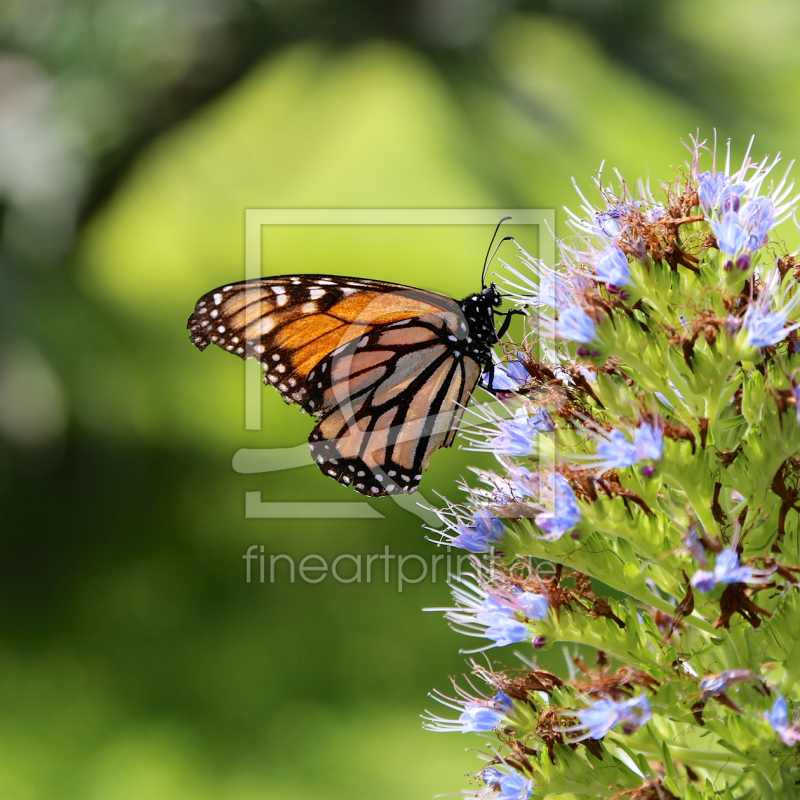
135	661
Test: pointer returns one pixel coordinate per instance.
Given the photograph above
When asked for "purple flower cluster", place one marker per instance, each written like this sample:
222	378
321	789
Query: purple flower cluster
711	187
727	570
495	614
478	715
575	325
616	451
564	513
611	267
509	786
517	436
604	714
714	685
765	327
508	377
486	530
778	718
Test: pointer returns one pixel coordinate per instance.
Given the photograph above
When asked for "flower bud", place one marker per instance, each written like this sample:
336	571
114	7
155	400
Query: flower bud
731	324
743	262
539	642
727	265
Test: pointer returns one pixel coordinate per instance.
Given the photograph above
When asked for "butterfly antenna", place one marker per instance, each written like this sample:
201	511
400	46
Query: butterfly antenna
489	254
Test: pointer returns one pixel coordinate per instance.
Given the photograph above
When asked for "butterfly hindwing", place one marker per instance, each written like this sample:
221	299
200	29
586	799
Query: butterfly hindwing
290	323
388	400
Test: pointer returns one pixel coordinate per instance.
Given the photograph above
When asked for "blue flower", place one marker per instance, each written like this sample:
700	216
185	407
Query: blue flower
703	581
796	395
478	719
503	702
492	776
565	514
518	435
709	188
501	380
730	197
510	787
765	327
612	267
508	377
540	419
523	481
515	787
517	370
649	442
757	218
533	605
575	325
493	615
715	684
778	718
692	545
727	570
731	236
479	715
604	714
488	530
616	452
503	628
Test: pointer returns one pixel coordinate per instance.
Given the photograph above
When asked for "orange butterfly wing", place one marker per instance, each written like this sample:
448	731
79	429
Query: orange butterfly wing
290	323
384	367
389	400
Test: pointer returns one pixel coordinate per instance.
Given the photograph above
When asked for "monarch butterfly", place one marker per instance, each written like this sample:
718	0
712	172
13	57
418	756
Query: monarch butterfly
385	369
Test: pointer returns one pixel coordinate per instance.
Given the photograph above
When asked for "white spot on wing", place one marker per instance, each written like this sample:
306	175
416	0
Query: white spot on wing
265	325
217	298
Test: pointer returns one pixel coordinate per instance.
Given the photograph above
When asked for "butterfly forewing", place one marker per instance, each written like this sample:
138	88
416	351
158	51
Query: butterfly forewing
389	400
290	323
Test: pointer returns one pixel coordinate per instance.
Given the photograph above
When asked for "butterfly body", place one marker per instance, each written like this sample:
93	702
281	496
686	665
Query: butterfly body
385	369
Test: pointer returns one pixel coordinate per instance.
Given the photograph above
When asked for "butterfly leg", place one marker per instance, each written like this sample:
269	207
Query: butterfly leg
488	385
507	321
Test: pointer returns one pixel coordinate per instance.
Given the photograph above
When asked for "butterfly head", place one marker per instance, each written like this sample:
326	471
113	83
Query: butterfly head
492	295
